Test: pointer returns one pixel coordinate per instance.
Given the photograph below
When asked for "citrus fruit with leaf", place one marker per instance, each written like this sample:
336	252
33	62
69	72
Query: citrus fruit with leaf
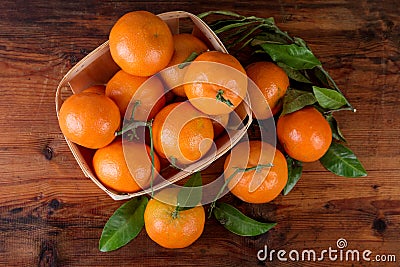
215	83
257	173
273	82
89	119
141	43
185	45
126	168
124	88
181	133
304	134
169	227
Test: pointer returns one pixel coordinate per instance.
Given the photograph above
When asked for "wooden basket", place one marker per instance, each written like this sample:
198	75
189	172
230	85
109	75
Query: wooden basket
98	67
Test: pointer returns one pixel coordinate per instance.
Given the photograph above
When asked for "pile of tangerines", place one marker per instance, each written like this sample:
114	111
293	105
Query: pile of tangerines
142	45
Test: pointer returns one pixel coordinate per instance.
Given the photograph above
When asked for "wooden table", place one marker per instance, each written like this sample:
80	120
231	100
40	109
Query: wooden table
51	215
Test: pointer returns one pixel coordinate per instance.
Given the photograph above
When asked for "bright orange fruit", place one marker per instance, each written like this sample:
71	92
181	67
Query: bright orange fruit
272	82
100	89
125	173
171	229
181	133
184	45
141	43
89	119
215	83
304	134
268	181
124	88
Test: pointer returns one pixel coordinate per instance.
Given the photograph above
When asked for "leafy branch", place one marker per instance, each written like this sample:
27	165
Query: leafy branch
264	36
311	83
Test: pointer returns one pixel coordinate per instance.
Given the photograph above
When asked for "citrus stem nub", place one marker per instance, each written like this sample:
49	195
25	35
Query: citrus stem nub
189	59
132	124
175	213
219	97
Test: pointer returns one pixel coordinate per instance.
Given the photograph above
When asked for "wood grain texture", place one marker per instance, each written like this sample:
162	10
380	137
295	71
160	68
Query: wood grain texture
51	215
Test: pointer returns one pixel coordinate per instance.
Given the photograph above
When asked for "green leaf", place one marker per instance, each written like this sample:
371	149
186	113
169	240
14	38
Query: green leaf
232	26
341	161
190	195
238	223
124	225
267	37
223	22
236	33
336	133
220	12
243	36
320	77
294	74
296	99
300	42
328	98
295	168
294	56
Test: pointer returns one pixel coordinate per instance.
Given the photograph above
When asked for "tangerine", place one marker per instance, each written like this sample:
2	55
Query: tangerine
99	89
184	45
215	83
304	134
124	88
256	185
181	133
171	228
141	43
125	169
220	122
273	82
89	119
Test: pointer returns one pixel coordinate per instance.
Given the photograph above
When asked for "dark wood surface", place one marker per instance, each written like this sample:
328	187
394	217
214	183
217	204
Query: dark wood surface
51	215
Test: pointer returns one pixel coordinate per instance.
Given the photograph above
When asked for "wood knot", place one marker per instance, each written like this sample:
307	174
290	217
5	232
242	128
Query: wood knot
54	204
16	210
329	205
48	255
73	60
48	152
84	51
375	187
379	225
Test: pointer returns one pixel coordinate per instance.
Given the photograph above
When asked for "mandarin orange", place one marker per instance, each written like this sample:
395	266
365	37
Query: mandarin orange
141	43
304	134
170	228
89	119
100	89
184	45
215	83
181	133
125	171
124	88
273	82
259	185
